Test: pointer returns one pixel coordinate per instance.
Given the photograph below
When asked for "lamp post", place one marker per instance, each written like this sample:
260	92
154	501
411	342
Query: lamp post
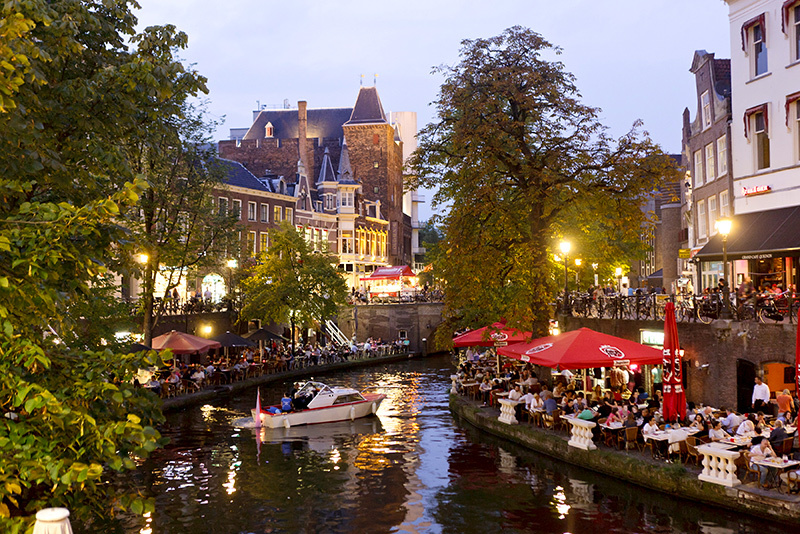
594	269
578	263
618	272
724	228
232	264
565	246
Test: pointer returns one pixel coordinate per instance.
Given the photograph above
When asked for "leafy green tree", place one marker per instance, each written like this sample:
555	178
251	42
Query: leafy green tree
522	163
75	99
293	284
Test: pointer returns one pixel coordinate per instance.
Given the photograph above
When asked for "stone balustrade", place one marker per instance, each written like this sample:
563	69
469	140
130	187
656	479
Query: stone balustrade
508	413
581	433
719	465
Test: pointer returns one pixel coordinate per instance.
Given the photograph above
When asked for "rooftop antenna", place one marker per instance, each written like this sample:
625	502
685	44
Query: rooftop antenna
374	80
285	103
361	83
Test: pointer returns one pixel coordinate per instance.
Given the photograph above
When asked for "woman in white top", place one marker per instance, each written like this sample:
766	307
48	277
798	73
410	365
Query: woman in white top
716	433
650	428
746	427
537	403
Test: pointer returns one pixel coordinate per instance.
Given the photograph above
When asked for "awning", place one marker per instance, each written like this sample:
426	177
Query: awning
758	235
490	336
658	275
382	273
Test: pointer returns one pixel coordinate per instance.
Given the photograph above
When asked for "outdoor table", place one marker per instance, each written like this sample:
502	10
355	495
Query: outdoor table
581	432
496	396
776	466
672	436
467	388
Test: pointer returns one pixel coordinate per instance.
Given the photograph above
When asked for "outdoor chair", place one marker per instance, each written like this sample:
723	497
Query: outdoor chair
627	437
653	446
536	418
550	420
168	390
748	469
189	386
560	423
692	452
784	447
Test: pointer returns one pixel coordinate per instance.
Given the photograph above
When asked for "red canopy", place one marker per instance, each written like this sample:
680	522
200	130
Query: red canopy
382	273
489	336
674	397
582	349
182	343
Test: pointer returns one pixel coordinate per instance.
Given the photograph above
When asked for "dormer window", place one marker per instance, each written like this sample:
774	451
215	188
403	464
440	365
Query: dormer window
269	131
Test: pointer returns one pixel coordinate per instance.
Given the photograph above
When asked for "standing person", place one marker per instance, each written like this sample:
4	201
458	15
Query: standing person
760	395
658	378
785	402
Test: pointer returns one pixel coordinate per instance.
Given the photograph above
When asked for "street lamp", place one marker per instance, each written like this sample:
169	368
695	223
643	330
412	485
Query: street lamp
618	272
565	246
594	268
232	264
578	263
724	228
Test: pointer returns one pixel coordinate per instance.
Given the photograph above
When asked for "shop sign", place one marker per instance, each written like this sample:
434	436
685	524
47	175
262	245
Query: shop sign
756	190
757	256
684	253
653	338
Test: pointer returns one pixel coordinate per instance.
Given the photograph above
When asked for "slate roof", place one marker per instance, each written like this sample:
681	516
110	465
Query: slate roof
722	76
323	123
345	172
326	172
235	174
368	108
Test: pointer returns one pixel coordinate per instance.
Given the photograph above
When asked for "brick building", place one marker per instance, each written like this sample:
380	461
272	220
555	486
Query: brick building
338	172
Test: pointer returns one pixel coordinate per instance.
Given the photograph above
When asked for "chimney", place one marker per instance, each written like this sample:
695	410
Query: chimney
302	142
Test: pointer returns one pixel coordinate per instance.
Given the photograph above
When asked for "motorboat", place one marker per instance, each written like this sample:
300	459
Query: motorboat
322	404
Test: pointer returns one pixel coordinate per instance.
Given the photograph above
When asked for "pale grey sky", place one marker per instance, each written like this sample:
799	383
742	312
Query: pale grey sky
631	57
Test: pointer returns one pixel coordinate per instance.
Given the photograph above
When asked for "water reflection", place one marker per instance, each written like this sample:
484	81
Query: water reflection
409	469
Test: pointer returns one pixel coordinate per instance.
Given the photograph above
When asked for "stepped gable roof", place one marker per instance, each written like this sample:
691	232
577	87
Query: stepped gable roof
326	172
368	108
235	174
323	123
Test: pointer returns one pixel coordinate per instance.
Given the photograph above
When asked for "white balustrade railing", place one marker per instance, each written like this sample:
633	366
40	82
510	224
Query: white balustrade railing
581	433
508	413
719	465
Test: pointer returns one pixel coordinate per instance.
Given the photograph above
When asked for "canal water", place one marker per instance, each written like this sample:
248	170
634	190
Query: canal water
410	469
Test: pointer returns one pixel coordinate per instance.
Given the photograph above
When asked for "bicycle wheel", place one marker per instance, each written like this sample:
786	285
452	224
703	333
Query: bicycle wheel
705	316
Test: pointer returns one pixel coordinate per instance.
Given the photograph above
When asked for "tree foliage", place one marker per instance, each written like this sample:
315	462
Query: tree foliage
522	163
75	100
292	283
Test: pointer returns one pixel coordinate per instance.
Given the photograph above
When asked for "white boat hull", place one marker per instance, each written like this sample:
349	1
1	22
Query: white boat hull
327	414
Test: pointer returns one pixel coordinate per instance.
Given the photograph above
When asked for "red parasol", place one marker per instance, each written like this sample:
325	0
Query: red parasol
182	343
582	349
674	397
490	336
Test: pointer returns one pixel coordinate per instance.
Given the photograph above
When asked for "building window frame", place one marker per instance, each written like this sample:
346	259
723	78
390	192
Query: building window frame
761	141
795	38
710	167
289	215
264	213
705	102
223	205
263	241
702	222
251	211
760	57
722	155
251	243
236	208
712	214
698	168
724	204
276	214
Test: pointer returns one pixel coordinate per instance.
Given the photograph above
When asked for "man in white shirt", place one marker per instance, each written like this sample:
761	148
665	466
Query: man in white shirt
760	395
515	394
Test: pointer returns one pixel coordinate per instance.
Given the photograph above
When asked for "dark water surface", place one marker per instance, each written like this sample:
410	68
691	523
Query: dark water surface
410	469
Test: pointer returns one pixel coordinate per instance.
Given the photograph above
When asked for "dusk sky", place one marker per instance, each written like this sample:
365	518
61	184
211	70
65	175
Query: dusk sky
631	57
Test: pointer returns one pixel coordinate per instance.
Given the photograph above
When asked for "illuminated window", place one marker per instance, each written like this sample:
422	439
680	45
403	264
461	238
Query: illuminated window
276	214
346	242
290	215
264	241
251	243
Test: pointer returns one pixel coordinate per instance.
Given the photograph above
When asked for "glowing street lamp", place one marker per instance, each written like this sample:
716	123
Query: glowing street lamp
232	264
618	272
724	228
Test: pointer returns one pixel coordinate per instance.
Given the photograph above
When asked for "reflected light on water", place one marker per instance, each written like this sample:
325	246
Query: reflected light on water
148	520
560	502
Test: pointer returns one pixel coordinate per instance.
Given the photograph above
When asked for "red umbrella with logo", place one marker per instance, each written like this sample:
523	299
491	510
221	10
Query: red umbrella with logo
797	363
490	336
582	349
183	343
674	397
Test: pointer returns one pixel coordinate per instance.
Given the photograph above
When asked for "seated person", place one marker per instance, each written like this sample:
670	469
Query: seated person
630	421
700	424
550	405
286	403
650	427
536	403
747	426
731	421
485	388
761	421
761	450
716	433
786	418
778	434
